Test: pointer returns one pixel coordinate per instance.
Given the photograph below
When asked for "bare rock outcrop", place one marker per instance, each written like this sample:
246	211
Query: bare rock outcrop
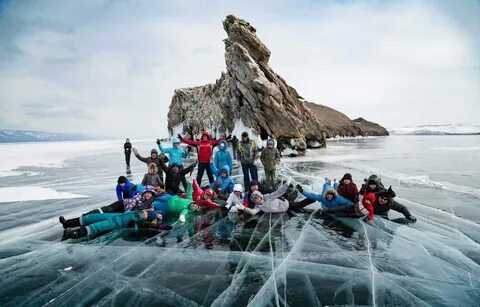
250	95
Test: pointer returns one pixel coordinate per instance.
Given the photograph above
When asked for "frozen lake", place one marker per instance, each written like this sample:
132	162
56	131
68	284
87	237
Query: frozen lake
272	260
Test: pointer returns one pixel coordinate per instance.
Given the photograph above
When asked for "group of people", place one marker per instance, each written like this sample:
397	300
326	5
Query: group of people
159	197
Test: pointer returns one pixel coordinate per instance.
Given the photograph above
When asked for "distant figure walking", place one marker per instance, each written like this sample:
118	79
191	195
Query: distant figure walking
127	148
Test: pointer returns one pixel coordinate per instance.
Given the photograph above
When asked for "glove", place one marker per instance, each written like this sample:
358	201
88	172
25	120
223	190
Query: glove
299	188
182	219
158	141
180	137
239	207
412	219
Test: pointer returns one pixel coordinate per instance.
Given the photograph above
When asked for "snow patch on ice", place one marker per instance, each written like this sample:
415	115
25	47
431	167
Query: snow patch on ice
26	193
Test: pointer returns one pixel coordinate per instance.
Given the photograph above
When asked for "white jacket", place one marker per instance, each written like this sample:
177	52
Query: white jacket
271	202
233	202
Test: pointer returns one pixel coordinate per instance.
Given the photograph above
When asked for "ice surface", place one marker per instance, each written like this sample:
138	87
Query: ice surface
297	259
13	194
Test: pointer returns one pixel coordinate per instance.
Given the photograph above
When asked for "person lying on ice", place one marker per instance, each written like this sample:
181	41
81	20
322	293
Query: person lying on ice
204	198
223	185
154	158
247	200
125	189
205	150
176	153
348	189
270	203
152	178
139	200
375	184
385	202
175	174
92	225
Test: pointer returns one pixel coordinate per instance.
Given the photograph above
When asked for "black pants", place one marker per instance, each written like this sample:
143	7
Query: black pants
249	173
117	207
202	167
127	158
301	204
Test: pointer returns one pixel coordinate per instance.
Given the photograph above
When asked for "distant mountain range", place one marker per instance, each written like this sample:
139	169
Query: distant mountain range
438	129
15	136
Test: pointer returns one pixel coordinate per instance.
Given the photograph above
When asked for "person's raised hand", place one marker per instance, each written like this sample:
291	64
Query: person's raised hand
299	188
158	142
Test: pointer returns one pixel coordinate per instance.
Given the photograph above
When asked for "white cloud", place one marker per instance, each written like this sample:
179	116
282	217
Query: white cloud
115	65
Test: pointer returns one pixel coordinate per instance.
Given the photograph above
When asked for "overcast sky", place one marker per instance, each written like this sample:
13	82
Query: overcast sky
110	67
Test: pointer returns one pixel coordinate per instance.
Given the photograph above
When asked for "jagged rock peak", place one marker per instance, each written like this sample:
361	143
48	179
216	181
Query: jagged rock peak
251	96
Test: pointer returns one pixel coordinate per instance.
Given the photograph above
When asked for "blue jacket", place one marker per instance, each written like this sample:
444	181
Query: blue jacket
223	158
127	191
224	184
175	155
337	201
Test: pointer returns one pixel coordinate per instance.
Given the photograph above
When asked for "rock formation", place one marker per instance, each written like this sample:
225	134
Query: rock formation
251	95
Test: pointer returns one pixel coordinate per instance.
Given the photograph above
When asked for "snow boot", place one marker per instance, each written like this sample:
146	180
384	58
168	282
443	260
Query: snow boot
74	233
69	223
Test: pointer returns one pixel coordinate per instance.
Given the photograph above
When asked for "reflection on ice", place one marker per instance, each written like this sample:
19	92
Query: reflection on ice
217	259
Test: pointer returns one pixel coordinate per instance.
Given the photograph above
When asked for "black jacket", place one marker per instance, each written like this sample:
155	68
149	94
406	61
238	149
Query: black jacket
393	205
173	179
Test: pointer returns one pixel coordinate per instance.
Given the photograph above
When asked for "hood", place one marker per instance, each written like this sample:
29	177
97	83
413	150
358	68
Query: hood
208	192
154	151
238	188
175	140
225	168
374	179
205	133
331	191
224	143
347	176
150	189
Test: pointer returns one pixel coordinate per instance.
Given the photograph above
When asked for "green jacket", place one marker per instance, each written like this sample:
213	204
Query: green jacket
270	157
247	152
181	206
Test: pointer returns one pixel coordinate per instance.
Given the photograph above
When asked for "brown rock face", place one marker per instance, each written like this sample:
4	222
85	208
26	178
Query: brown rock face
251	93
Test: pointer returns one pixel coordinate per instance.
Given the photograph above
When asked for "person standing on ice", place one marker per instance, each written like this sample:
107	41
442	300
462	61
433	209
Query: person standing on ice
127	148
176	153
223	158
154	158
205	151
152	178
270	158
247	154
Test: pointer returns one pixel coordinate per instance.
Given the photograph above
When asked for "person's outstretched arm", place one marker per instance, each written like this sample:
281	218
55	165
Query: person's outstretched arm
402	209
189	169
139	157
278	193
118	190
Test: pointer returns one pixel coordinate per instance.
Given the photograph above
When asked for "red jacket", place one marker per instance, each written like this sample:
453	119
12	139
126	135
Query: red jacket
348	191
197	196
369	199
205	148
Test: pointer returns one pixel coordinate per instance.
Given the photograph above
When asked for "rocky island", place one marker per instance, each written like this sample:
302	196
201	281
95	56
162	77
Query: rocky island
251	96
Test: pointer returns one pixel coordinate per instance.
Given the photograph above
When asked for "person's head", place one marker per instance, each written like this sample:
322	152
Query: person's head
254	186
270	143
385	196
207	194
257	198
154	153
330	194
225	171
222	145
152	169
238	189
245	136
148	195
175	142
128	140
372	185
175	168
122	180
205	136
346	179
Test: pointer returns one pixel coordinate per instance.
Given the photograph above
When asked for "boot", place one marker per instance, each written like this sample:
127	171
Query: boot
74	233
69	223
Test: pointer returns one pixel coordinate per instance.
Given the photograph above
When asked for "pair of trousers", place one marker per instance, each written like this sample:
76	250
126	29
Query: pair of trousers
98	224
116	207
127	158
270	176
202	167
249	174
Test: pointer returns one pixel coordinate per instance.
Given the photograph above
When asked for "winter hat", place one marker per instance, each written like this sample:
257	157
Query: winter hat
244	134
225	169
237	188
205	133
122	179
254	182
149	189
347	176
331	192
270	142
154	151
256	194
